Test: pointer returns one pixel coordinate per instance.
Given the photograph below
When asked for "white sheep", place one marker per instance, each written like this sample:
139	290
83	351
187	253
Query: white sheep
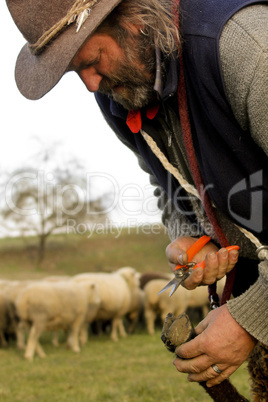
161	304
11	289
116	292
52	306
56	278
136	308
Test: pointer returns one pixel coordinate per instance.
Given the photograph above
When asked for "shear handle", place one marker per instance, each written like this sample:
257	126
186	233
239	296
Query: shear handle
202	264
194	249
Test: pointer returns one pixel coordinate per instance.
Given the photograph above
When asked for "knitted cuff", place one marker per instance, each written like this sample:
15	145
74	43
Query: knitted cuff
250	309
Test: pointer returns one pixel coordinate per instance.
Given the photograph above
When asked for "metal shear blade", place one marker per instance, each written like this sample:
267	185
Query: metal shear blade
180	276
175	282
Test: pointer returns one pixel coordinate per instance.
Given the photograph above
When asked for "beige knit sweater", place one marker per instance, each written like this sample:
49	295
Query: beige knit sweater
246	81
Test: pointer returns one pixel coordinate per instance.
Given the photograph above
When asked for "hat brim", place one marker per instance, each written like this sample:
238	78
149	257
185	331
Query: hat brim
37	75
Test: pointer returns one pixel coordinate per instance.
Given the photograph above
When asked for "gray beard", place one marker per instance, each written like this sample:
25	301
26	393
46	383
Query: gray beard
137	89
140	97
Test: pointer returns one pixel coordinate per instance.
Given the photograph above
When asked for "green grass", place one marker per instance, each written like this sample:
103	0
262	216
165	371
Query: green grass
137	368
70	254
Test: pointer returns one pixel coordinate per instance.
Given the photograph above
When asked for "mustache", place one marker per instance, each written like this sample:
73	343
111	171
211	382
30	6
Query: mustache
107	84
126	77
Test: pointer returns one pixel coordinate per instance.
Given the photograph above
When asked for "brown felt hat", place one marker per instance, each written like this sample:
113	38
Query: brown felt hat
39	70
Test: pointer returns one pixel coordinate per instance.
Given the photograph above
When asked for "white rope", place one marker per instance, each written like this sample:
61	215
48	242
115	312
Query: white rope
170	168
262	254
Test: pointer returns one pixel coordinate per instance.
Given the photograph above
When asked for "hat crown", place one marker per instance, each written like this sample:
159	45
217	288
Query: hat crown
35	17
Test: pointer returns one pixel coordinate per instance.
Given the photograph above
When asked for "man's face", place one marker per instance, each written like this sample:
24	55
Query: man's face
119	73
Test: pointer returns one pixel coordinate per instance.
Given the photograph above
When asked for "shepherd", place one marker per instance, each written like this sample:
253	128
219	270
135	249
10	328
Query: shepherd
183	84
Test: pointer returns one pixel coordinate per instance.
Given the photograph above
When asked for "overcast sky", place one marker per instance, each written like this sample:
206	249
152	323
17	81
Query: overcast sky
69	116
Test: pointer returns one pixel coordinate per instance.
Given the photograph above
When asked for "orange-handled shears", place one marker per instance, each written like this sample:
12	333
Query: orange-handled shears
183	271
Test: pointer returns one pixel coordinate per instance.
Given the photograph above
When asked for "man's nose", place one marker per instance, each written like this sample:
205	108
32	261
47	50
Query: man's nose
91	78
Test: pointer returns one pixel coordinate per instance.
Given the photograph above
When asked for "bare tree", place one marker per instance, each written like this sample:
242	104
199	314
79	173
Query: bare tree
42	201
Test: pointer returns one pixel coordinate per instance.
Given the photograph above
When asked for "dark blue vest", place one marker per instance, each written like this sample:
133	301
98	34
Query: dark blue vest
233	167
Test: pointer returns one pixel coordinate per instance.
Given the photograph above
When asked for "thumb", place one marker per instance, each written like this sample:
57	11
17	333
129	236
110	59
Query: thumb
189	349
201	326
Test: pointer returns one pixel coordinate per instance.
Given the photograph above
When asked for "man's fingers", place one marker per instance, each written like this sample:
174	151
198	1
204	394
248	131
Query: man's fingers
175	256
211	268
221	377
227	261
216	267
193	366
233	257
201	326
223	259
189	350
211	377
200	369
217	263
194	279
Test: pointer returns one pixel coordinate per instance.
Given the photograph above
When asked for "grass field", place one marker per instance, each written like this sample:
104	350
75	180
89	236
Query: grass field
70	254
137	368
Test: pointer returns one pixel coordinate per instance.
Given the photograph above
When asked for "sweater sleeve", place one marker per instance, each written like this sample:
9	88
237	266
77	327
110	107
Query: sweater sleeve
244	63
246	83
250	309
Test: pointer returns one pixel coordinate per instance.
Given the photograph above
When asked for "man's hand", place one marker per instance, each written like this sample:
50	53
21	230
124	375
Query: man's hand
217	265
220	340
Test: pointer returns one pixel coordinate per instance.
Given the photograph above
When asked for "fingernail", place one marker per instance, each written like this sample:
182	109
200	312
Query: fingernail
224	253
212	256
180	258
234	254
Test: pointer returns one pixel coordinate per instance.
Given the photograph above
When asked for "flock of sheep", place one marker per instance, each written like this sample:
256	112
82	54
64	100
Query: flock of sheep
73	303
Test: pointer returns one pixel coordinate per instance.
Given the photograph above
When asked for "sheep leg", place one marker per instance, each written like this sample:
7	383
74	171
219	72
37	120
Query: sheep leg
133	317
164	314
258	368
40	350
55	339
83	337
114	335
178	330
21	329
3	340
121	328
73	338
34	335
150	317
